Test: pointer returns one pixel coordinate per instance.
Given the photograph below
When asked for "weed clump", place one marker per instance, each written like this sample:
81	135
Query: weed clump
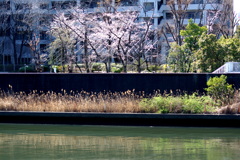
178	104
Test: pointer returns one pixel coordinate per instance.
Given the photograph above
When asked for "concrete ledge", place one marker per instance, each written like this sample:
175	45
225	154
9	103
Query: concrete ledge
126	119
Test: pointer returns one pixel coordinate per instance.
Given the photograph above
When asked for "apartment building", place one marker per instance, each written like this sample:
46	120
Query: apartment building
161	11
24	23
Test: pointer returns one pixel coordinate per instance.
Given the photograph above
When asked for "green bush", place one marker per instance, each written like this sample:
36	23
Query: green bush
178	104
97	67
147	107
197	104
220	90
117	68
27	69
154	68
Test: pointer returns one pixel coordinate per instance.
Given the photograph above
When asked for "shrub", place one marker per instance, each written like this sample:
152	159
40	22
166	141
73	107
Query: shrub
147	107
154	68
26	68
117	68
198	104
161	104
220	90
180	104
97	67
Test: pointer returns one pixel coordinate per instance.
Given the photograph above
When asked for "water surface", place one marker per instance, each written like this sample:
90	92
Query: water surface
28	142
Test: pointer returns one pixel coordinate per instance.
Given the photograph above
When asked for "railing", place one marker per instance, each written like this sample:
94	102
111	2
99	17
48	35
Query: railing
229	67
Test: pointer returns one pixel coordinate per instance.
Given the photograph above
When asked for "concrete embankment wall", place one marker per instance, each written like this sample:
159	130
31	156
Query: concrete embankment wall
109	82
186	120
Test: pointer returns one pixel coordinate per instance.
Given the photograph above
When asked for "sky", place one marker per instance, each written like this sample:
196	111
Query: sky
237	6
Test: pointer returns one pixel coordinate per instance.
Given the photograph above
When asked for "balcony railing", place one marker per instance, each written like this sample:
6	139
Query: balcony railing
229	67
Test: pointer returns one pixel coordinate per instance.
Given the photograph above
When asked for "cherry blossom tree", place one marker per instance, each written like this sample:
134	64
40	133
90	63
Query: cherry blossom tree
105	36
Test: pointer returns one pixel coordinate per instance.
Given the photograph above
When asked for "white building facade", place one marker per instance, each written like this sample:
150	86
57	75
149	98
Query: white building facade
16	14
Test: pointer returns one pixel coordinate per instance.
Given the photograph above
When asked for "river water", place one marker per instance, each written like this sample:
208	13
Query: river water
37	142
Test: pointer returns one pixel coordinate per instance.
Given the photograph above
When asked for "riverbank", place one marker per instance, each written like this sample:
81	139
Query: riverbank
123	119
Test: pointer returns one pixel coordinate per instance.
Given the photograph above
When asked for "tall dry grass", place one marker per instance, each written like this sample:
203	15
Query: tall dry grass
122	102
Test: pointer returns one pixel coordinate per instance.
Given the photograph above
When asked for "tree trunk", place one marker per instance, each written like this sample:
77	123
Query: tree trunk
139	65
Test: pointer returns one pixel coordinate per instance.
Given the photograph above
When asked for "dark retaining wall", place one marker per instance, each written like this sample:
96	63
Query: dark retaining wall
121	119
108	82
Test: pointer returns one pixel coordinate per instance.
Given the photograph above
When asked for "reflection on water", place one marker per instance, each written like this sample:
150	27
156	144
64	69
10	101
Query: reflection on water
108	143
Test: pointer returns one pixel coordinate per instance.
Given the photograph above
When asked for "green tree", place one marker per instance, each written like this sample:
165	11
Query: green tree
231	48
183	57
191	35
220	90
210	54
237	33
176	57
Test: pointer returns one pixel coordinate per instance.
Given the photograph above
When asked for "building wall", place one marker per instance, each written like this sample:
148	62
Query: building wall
157	9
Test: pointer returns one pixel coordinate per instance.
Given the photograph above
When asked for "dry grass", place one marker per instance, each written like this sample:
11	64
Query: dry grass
122	102
230	109
233	107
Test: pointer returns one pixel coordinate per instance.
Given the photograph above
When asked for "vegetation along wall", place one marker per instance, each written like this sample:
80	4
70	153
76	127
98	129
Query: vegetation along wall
109	82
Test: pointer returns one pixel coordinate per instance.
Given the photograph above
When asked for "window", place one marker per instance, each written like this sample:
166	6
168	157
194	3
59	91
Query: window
56	5
215	1
126	2
193	15
90	4
68	4
22	6
43	48
7	59
160	19
63	5
148	6
44	6
169	16
4	32
197	2
23	35
5	5
44	35
160	3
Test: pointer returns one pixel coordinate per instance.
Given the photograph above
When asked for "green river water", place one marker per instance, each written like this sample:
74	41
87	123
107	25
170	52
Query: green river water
35	142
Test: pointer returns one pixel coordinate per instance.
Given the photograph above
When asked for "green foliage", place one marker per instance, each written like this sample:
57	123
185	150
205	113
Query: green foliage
237	33
197	104
214	52
154	68
183	57
210	55
180	57
97	67
117	68
220	90
27	69
178	104
201	51
191	34
231	49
